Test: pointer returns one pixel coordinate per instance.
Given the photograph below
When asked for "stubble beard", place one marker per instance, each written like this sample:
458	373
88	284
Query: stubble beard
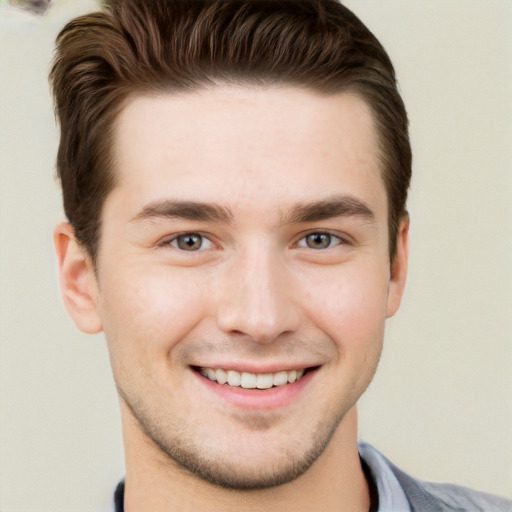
189	455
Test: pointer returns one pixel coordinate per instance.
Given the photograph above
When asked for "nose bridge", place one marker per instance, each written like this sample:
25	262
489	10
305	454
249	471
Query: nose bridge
256	299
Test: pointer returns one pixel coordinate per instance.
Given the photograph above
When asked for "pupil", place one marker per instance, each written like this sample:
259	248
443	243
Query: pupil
319	240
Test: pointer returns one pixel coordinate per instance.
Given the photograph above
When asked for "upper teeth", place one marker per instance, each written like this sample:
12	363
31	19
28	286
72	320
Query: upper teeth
251	380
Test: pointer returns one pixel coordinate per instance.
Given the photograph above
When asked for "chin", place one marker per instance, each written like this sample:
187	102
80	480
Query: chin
256	460
248	474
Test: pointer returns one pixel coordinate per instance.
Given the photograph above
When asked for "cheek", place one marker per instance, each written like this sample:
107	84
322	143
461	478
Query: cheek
351	305
147	312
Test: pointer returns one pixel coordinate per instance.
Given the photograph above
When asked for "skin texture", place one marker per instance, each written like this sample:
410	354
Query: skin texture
255	294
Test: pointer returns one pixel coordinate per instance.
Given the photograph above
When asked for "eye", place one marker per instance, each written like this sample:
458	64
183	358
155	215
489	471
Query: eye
191	242
319	241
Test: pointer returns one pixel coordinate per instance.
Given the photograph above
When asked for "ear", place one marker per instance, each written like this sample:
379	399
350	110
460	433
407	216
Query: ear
78	283
398	272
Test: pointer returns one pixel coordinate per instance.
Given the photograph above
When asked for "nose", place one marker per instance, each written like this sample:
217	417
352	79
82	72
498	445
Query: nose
256	298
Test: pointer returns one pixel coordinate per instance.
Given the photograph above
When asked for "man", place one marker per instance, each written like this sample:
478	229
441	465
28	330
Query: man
235	175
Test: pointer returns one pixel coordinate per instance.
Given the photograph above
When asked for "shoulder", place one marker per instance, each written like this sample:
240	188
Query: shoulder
455	497
427	496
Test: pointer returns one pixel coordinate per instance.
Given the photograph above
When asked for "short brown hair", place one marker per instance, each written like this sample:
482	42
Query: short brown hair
136	46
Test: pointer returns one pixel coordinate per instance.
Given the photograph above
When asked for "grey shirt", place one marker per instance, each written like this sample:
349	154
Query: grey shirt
391	495
424	496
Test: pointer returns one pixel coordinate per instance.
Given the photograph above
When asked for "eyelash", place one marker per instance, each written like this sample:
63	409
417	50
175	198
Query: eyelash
302	242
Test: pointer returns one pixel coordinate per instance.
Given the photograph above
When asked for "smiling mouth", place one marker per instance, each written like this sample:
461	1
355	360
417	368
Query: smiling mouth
247	380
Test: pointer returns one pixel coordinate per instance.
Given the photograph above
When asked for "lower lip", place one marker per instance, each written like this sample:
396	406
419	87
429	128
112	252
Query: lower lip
267	399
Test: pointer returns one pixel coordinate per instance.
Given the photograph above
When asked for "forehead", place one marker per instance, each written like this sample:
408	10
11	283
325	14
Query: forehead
226	143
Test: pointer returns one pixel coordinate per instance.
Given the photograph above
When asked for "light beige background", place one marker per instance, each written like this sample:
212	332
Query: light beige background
441	404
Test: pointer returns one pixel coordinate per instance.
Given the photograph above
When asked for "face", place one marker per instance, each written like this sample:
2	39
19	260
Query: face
243	278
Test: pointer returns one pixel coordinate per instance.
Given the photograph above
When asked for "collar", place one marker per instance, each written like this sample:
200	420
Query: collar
391	496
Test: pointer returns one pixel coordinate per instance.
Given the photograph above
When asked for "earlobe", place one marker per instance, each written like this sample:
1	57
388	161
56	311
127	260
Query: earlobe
78	283
398	273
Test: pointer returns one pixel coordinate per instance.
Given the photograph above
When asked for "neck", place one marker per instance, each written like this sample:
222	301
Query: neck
335	481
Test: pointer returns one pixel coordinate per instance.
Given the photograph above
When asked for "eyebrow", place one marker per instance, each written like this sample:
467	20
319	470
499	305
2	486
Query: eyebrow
336	206
313	211
189	210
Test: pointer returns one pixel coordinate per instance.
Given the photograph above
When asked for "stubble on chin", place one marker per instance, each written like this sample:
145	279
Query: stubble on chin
178	451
